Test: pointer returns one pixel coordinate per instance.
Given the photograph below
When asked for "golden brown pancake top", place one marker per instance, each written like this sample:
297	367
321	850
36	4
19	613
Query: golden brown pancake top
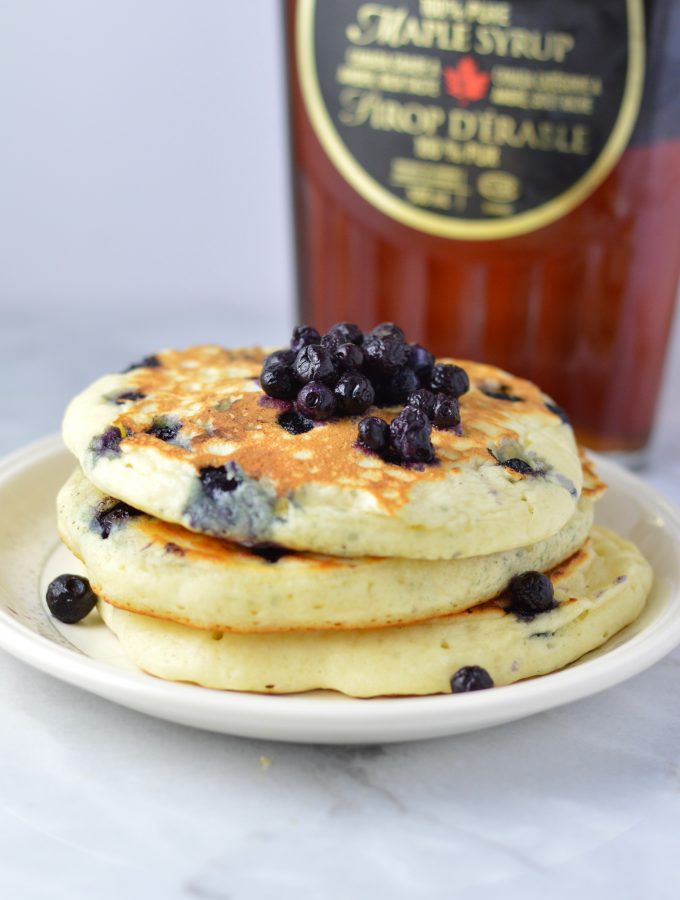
215	394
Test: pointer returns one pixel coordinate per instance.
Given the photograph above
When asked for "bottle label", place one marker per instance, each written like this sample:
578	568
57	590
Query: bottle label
472	119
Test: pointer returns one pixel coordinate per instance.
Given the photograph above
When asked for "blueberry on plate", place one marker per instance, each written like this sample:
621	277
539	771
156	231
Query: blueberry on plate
471	678
70	598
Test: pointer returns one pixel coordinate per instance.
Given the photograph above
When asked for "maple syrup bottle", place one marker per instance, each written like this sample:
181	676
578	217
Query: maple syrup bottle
500	178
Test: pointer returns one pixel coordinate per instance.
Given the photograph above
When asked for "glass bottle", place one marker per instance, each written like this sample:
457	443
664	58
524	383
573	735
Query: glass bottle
500	178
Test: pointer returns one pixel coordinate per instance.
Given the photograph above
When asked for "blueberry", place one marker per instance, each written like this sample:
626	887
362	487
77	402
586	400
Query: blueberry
219	479
408	418
277	381
502	394
383	356
302	336
164	430
414	445
272	553
316	401
280	357
314	363
174	549
421	361
129	397
402	383
330	342
471	678
519	466
70	598
226	502
451	380
353	394
559	412
108	443
423	400
374	434
348	356
347	333
410	432
149	362
292	422
395	388
446	413
388	330
531	593
108	517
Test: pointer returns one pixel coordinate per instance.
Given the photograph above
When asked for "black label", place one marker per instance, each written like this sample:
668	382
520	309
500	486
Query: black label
467	118
659	118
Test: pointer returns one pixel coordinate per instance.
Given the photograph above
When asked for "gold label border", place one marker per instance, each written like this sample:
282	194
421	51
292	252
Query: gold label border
447	226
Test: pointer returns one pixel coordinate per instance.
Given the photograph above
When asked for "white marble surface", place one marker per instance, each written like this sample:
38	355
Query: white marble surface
98	801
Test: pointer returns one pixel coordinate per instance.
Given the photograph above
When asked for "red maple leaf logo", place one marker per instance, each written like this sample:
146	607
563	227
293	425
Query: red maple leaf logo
466	81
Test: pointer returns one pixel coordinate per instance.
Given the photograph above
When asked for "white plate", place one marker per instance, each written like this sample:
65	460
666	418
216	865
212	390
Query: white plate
88	655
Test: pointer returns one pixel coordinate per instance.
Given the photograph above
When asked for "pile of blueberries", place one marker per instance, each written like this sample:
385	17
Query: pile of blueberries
344	372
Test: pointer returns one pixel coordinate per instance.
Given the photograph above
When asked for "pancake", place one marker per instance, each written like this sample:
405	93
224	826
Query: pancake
156	436
600	590
148	566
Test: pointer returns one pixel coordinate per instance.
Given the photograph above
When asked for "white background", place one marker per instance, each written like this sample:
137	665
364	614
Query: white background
143	155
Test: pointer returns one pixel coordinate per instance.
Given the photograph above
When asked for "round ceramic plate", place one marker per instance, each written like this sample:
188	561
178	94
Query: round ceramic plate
88	655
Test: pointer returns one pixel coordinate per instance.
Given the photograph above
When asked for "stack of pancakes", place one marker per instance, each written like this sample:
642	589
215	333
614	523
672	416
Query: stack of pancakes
230	552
